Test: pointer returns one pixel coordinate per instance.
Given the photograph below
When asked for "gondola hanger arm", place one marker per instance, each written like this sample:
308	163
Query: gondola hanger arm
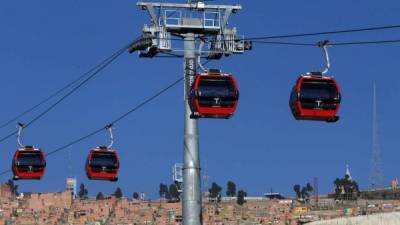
324	45
20	127
110	128
201	45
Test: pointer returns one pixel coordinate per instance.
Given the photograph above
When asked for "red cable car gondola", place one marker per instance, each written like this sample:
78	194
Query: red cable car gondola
213	95
102	162
315	97
29	163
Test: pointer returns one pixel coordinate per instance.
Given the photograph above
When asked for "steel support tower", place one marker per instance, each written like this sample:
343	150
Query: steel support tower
199	25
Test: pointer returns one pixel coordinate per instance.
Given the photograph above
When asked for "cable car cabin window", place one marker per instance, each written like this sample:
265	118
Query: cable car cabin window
30	159
216	93
103	159
319	94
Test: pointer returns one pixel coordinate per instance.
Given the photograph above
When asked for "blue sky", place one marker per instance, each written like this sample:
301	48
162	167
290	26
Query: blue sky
45	44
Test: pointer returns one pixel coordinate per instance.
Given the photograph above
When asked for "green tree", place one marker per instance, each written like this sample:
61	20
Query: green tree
231	189
118	193
309	188
174	193
355	186
168	195
215	191
178	185
83	192
346	189
297	189
337	183
135	195
163	192
99	196
304	193
240	197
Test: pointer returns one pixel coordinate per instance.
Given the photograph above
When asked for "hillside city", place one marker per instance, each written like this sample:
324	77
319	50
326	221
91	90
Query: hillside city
72	208
267	97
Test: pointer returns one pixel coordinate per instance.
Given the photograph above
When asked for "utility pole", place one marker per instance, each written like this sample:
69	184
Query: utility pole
197	24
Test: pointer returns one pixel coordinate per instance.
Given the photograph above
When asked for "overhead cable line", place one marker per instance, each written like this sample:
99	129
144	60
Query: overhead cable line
354	30
116	120
51	96
148	100
97	69
284	43
325	32
331	43
366	42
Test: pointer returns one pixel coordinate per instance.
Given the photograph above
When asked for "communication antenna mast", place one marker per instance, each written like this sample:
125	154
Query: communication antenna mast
376	177
194	22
